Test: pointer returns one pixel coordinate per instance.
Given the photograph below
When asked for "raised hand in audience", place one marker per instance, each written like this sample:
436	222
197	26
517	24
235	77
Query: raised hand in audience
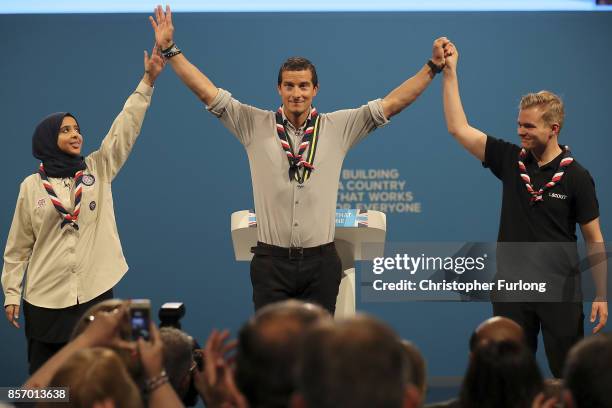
161	393
541	401
215	382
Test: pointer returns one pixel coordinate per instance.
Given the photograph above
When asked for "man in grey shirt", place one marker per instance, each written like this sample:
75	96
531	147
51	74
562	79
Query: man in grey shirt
295	156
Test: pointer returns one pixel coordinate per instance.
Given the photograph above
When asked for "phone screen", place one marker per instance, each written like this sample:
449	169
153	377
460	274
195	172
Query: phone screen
140	321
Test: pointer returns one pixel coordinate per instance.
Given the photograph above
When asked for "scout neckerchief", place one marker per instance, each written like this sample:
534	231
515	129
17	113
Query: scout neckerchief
67	218
311	138
536	196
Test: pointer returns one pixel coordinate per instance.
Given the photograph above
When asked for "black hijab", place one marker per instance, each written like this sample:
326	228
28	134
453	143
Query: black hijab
44	147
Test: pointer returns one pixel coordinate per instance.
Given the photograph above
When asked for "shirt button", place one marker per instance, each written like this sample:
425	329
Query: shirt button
295	224
297	201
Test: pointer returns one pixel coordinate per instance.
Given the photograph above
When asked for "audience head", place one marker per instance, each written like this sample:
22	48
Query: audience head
268	350
416	368
358	362
178	358
97	376
588	372
501	374
497	329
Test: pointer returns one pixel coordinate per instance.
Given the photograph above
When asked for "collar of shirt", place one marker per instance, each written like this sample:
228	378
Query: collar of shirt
66	182
293	129
531	162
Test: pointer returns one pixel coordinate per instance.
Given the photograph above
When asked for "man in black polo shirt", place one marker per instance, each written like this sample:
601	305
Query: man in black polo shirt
545	193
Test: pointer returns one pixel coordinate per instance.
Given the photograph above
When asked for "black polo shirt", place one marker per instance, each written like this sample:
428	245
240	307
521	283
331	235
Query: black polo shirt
572	200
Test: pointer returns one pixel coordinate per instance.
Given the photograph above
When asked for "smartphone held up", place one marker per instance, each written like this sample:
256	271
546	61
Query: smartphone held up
140	319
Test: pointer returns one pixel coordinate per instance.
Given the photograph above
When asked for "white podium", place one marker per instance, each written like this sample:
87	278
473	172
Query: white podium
354	229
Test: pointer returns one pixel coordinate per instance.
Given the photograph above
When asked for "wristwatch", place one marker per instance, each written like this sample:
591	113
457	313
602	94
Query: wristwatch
435	69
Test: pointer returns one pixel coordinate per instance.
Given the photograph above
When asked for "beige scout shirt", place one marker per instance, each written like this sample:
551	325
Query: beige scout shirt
66	266
289	213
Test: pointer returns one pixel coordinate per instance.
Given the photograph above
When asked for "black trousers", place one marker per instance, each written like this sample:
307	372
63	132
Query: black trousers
313	277
562	325
39	352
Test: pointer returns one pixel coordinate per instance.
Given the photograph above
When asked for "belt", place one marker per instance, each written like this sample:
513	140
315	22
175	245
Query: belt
291	252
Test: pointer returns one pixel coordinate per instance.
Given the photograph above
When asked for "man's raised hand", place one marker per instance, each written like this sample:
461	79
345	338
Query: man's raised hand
162	25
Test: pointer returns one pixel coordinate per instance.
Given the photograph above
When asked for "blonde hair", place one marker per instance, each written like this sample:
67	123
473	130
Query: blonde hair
551	104
96	375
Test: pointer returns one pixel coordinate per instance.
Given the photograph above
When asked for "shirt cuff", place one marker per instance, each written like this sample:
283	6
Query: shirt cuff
218	105
378	115
12	300
144	88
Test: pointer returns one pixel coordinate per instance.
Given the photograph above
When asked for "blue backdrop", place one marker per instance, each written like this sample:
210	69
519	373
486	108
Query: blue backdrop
187	173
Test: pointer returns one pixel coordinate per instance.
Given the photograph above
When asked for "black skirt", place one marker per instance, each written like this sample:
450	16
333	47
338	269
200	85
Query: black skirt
56	325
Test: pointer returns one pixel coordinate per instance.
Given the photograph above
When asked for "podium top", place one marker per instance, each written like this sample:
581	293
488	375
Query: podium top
354	226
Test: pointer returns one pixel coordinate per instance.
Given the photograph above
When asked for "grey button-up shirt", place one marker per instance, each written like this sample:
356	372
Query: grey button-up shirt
289	213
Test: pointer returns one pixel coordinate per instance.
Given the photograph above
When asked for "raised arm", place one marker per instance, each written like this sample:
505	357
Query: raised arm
161	393
119	141
409	90
191	76
215	382
471	138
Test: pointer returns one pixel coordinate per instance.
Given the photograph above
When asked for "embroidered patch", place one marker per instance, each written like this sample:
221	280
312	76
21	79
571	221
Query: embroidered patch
92	205
559	196
41	203
88	179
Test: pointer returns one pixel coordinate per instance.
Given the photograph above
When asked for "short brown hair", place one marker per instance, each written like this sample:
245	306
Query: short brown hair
551	104
358	362
298	64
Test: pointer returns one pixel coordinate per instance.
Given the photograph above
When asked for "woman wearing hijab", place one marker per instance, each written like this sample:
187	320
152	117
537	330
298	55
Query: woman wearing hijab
63	230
